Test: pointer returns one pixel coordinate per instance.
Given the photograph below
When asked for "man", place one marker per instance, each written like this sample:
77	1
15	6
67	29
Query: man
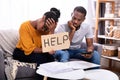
77	31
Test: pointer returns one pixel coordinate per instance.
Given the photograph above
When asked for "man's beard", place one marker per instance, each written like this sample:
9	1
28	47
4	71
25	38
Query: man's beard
77	27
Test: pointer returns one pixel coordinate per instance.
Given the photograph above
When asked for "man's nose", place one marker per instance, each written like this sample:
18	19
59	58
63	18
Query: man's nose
75	21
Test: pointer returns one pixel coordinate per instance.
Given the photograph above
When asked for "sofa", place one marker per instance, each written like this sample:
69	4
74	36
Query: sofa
11	69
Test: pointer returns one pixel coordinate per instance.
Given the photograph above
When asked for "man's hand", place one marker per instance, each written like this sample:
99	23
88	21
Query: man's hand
87	55
73	29
70	24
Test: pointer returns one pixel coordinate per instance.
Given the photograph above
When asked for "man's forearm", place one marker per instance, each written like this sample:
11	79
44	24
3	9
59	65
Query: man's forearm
71	34
90	48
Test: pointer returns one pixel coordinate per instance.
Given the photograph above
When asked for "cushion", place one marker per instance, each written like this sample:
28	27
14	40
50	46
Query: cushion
15	69
97	47
8	40
2	67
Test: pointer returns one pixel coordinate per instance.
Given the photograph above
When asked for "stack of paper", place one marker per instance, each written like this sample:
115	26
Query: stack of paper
81	64
60	67
56	67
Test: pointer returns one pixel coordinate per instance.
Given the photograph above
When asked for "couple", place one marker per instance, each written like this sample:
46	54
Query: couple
29	47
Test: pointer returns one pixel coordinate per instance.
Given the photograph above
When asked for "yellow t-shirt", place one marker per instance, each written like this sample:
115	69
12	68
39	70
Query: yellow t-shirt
29	39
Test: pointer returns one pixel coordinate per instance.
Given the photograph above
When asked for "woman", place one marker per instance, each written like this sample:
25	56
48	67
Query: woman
29	46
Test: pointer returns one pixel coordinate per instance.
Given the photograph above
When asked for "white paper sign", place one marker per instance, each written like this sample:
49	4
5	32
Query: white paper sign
55	42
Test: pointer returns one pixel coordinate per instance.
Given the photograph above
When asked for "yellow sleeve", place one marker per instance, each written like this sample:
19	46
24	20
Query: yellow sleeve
25	43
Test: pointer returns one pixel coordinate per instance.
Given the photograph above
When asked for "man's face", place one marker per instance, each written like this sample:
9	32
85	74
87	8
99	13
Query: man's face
77	18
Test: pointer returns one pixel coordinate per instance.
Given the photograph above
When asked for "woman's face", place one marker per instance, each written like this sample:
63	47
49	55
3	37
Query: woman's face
40	24
46	25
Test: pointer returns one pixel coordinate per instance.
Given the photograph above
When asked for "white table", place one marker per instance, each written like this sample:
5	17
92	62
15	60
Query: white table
100	74
95	74
76	74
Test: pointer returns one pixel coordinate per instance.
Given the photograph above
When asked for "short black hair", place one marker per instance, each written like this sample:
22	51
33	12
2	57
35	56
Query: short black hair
81	9
54	13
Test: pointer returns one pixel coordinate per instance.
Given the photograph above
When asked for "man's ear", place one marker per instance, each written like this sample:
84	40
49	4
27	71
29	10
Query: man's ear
84	18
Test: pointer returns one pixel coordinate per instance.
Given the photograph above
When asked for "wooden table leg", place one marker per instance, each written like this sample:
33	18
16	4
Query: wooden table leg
45	78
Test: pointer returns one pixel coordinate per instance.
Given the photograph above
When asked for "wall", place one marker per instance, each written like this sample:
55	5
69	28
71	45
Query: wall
14	12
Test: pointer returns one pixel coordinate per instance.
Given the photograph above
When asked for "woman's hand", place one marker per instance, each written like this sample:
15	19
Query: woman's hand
51	24
52	52
38	50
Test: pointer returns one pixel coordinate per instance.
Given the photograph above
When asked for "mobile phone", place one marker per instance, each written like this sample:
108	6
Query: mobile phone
86	52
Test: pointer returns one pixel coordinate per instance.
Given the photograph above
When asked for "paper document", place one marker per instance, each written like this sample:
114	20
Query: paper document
56	67
61	67
81	64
